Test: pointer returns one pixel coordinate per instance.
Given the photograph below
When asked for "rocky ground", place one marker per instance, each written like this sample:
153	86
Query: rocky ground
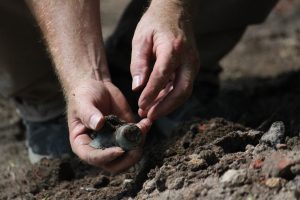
243	145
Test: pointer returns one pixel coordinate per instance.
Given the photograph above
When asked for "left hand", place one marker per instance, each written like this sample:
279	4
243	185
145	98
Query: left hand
88	102
163	33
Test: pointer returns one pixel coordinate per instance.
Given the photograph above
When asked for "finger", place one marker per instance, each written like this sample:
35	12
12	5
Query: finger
92	156
145	125
163	93
120	106
140	60
89	115
164	67
182	90
142	113
124	162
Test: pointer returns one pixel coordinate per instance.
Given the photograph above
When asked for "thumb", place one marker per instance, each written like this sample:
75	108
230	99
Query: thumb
91	117
140	59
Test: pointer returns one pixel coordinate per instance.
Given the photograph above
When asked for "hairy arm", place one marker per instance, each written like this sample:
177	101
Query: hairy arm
72	30
165	34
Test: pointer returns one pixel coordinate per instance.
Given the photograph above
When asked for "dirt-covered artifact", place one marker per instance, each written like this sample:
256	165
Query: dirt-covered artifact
116	132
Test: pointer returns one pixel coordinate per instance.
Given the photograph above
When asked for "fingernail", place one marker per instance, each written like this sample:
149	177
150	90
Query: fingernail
136	81
119	150
94	121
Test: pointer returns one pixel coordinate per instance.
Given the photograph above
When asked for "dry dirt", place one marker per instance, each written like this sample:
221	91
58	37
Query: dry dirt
217	155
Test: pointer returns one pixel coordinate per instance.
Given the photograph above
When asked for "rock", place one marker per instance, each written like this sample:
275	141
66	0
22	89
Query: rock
103	182
277	165
196	163
177	184
149	186
259	148
254	134
88	189
234	177
209	156
249	148
127	183
274	135
295	169
160	182
293	185
281	146
273	182
116	132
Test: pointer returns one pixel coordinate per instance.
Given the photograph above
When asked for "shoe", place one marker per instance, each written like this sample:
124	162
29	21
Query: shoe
48	139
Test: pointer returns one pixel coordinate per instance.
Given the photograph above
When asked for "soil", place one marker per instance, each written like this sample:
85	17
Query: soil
219	154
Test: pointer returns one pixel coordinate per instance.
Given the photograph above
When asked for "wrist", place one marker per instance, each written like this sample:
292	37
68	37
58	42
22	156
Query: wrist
170	10
82	75
169	5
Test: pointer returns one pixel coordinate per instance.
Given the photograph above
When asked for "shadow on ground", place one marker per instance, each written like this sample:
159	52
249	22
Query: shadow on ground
257	102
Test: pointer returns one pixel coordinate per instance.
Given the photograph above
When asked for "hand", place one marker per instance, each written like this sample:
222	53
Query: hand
163	33
72	30
87	104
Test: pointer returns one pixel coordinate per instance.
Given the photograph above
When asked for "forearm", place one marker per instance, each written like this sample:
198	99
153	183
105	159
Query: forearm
170	5
173	12
72	30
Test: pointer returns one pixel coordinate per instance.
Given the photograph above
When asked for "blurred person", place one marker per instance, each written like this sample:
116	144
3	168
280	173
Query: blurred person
162	62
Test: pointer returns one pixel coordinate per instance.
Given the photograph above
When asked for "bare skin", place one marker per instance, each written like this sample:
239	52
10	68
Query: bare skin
72	30
164	33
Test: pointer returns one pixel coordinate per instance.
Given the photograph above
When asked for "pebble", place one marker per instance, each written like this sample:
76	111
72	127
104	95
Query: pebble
209	156
254	133
234	177
274	135
295	169
259	148
249	148
177	184
88	189
127	183
281	146
149	186
273	182
160	182
196	164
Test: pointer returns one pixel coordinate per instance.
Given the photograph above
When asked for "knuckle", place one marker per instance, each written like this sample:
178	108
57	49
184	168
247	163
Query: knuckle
178	43
90	159
140	39
138	66
163	71
186	89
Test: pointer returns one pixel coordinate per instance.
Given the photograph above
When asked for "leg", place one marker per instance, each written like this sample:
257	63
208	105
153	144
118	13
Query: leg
27	77
26	71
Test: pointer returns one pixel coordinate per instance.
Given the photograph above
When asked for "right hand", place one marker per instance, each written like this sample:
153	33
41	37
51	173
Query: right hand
87	104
